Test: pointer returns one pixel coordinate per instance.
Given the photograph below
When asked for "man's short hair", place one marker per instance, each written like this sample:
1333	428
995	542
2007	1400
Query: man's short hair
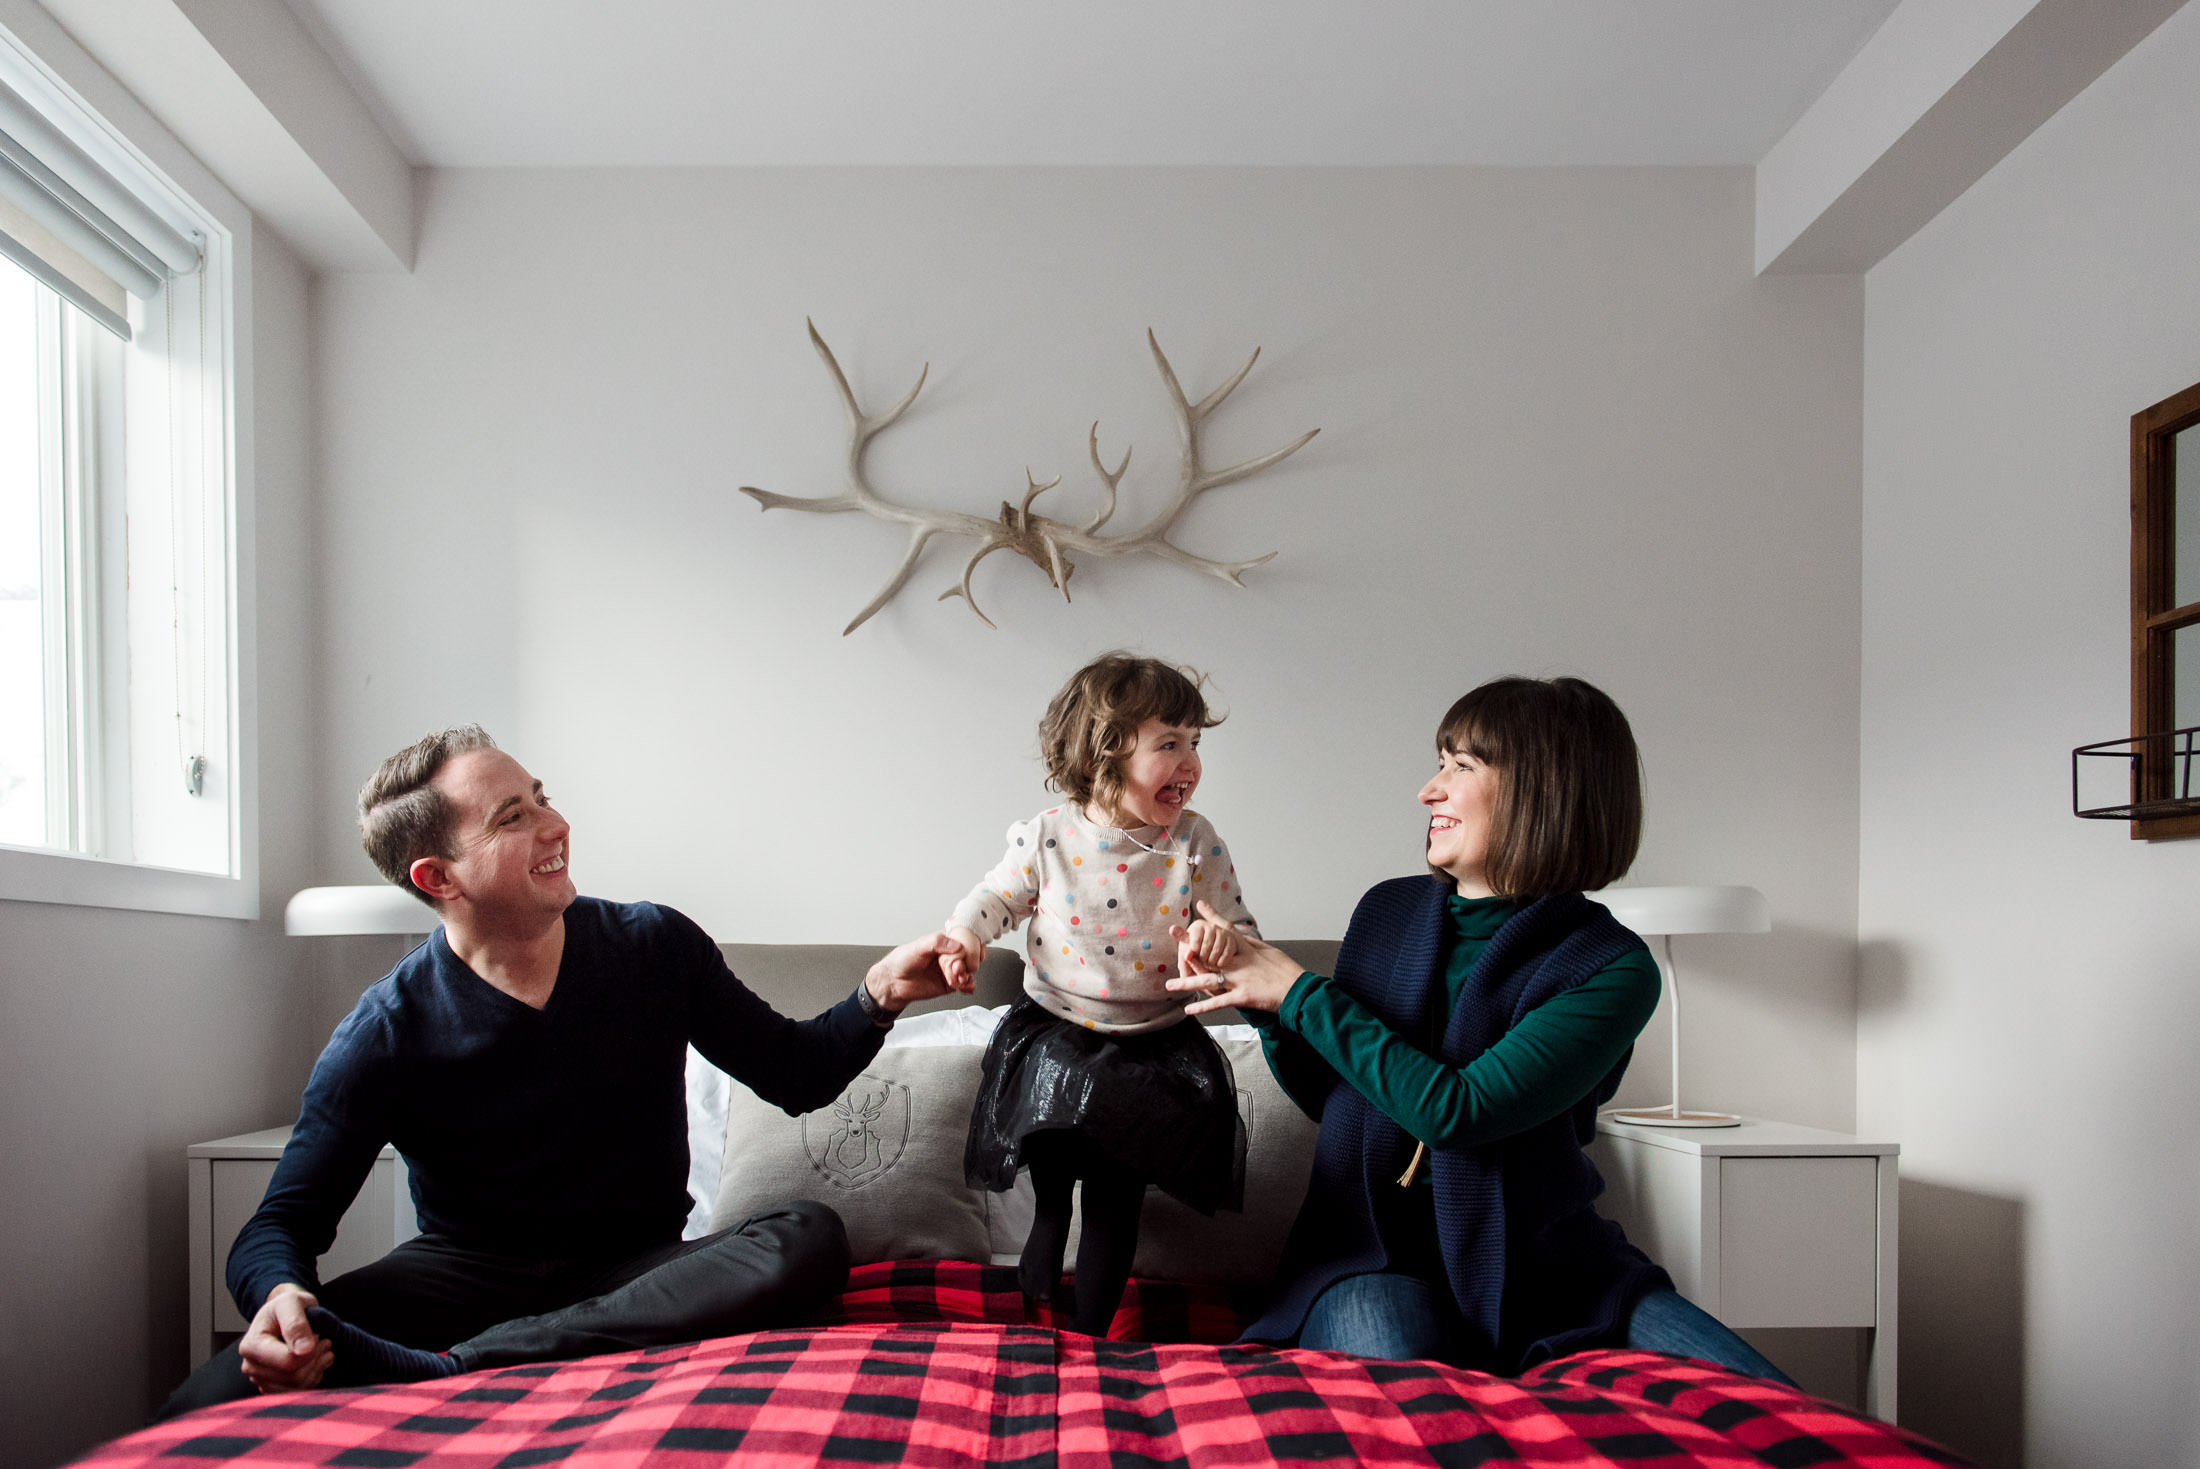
402	816
1091	726
1567	812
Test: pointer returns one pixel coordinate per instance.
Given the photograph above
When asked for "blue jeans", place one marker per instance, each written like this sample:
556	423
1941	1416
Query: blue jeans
1400	1318
1404	1318
1667	1321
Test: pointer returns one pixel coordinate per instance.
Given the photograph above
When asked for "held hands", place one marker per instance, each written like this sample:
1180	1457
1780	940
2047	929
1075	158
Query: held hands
961	967
1254	976
1207	947
917	971
279	1352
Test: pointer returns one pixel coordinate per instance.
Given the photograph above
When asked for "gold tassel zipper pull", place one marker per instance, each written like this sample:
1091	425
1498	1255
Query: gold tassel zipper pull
1405	1179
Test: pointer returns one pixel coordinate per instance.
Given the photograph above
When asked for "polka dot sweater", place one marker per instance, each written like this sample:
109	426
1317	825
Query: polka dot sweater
1097	950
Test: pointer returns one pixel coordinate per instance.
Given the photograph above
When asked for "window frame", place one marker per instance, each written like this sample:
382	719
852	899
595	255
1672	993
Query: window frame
29	43
59	568
2154	432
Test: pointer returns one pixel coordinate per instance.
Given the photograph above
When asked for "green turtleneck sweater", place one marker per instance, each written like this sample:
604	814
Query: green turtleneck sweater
1548	1062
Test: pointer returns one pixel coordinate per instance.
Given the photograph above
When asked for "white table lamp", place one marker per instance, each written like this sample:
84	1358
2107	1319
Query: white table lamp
375	908
1663	912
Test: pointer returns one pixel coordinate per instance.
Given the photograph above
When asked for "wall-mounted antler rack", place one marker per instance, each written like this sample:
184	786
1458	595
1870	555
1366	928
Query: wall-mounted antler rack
1044	542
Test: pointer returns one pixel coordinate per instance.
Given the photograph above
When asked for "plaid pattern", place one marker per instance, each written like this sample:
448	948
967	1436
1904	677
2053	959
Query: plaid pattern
955	1290
962	1389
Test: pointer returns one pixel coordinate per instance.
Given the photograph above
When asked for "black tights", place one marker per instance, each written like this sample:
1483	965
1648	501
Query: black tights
1113	1198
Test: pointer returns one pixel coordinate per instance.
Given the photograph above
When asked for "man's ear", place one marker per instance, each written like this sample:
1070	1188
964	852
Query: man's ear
433	876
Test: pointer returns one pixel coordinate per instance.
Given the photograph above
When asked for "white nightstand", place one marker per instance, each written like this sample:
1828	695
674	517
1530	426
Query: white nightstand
228	1177
1765	1224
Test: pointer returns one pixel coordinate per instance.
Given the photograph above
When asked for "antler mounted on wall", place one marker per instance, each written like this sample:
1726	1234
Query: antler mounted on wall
1044	542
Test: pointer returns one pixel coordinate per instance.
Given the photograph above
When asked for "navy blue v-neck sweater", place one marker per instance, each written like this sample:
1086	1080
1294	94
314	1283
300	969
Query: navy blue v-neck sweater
551	1134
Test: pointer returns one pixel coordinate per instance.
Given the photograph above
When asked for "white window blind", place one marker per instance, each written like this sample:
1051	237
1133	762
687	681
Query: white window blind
74	210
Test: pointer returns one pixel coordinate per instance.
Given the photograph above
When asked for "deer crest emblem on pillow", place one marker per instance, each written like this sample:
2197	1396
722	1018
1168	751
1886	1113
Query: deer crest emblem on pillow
862	1136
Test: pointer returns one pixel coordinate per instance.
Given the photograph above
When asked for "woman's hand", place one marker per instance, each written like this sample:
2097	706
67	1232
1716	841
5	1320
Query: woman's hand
1257	977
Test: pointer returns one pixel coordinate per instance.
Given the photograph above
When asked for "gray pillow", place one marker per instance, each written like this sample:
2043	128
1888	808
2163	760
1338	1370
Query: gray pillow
1175	1243
887	1154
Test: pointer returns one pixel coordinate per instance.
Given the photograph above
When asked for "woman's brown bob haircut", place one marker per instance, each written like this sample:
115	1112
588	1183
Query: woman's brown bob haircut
1566	815
1091	726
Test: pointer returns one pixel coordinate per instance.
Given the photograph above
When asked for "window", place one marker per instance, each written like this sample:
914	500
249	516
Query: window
50	376
2165	617
120	770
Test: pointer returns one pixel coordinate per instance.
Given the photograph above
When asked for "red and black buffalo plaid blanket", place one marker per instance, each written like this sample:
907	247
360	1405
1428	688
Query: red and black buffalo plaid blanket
921	1365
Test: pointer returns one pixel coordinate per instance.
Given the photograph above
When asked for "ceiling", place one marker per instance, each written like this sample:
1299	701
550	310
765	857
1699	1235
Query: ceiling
460	83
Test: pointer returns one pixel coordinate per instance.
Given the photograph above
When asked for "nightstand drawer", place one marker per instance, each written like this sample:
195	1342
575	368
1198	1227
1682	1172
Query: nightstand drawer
1774	1214
377	1219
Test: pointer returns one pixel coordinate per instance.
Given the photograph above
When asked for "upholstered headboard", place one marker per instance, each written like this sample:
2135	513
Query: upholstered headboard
802	979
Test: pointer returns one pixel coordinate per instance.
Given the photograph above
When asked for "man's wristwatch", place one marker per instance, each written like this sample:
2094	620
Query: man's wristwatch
873	1011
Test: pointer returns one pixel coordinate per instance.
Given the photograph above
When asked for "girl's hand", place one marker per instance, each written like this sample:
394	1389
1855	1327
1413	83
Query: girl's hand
961	965
1206	948
1256	977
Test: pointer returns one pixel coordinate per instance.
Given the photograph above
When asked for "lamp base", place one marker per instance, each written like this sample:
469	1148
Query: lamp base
1667	1117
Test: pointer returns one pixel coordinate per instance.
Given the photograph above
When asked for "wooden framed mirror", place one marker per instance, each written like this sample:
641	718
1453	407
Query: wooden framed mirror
2165	613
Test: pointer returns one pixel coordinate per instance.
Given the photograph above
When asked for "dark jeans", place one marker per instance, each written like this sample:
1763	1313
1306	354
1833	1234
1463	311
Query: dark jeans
492	1310
1404	1318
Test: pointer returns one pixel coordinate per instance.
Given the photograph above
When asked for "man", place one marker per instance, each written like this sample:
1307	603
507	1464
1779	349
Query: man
528	1062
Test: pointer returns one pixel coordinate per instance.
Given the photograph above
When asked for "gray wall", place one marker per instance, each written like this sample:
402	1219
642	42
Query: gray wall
125	1037
2031	982
1564	430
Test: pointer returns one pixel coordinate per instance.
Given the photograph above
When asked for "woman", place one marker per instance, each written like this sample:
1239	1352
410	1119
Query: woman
1456	1060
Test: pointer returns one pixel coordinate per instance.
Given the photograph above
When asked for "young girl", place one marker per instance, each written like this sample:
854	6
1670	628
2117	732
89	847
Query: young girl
1094	1074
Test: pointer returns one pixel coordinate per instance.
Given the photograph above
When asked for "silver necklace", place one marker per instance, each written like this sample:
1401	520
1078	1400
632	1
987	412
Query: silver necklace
1190	857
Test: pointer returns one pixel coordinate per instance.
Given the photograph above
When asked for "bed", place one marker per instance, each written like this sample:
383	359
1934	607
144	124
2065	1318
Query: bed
926	1357
930	1363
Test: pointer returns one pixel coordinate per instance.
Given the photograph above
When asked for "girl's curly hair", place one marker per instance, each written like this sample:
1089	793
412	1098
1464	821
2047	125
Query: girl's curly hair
1091	726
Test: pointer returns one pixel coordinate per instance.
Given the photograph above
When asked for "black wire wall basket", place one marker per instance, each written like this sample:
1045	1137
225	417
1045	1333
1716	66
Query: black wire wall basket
2159	772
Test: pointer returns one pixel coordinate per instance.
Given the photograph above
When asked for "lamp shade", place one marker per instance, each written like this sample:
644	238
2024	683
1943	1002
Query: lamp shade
374	908
1689	909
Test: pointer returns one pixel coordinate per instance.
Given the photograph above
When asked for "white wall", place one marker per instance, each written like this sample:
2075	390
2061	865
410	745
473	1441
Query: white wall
125	1037
1564	430
2031	983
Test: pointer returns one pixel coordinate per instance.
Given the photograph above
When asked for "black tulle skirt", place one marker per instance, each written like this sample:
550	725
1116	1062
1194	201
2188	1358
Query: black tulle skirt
1162	1103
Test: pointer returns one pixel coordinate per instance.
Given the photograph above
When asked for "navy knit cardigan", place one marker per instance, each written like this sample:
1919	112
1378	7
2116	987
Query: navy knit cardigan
1533	1270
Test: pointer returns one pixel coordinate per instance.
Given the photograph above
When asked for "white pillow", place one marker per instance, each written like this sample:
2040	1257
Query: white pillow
706	1095
965	1025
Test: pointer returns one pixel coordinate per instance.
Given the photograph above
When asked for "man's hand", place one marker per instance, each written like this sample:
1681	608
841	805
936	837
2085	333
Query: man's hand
1258	976
961	967
279	1351
912	972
